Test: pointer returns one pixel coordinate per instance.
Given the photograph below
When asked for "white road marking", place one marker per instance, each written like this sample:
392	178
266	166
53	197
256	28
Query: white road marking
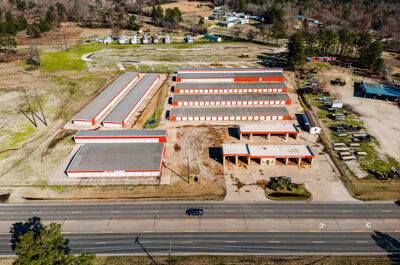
305	211
144	242
274	241
321	225
187	242
153	211
37	212
230	241
347	211
368	225
115	211
230	210
317	242
76	212
362	241
269	211
101	243
386	211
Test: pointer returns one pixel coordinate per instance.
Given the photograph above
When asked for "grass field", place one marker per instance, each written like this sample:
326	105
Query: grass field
66	60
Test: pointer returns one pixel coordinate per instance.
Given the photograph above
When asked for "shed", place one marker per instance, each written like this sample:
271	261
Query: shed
133	39
167	39
189	38
122	39
212	38
314	127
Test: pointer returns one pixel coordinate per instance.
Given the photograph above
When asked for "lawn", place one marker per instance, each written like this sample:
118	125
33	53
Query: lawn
66	60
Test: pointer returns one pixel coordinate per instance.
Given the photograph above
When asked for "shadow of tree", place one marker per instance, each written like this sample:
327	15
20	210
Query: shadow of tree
389	244
20	228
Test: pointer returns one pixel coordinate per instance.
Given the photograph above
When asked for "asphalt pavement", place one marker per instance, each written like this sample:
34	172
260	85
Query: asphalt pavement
373	243
212	210
271	228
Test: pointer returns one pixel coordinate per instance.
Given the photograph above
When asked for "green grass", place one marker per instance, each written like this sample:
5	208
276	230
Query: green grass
153	117
14	139
301	193
66	60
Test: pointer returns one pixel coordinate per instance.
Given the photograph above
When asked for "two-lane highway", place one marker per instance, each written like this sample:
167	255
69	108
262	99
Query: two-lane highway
213	210
271	228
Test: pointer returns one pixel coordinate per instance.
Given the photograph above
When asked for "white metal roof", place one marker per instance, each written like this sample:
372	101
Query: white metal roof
235	149
268	127
117	157
273	151
280	151
120	133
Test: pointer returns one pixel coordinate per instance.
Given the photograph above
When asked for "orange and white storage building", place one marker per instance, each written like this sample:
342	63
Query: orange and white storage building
231	88
121	136
230	99
106	100
229	114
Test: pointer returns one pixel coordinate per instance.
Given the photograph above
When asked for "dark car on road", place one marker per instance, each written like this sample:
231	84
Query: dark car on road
194	211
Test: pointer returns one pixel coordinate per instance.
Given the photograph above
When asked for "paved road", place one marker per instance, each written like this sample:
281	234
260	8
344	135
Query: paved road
212	210
225	228
228	243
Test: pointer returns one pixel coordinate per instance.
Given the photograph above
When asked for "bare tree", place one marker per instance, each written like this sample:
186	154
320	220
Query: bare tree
235	31
251	34
116	30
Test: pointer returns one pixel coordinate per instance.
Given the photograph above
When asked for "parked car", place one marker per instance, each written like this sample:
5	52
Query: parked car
194	212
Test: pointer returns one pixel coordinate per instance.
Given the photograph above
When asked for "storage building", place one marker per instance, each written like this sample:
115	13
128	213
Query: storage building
268	129
127	107
121	136
267	154
230	70
167	39
231	88
118	160
229	99
229	114
122	39
92	112
212	38
227	24
386	91
313	125
133	39
189	39
229	77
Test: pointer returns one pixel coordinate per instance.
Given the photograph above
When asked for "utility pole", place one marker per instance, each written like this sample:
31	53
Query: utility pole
148	254
169	254
41	110
188	167
65	42
29	105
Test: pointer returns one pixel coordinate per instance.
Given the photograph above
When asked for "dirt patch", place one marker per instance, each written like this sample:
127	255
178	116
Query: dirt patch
60	136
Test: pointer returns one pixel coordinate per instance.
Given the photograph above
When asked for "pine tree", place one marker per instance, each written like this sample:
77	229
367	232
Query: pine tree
296	49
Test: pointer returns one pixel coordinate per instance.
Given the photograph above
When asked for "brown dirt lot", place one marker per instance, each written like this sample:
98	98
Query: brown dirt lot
190	8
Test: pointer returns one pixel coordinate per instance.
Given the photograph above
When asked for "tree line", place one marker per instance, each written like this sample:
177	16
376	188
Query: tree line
327	42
